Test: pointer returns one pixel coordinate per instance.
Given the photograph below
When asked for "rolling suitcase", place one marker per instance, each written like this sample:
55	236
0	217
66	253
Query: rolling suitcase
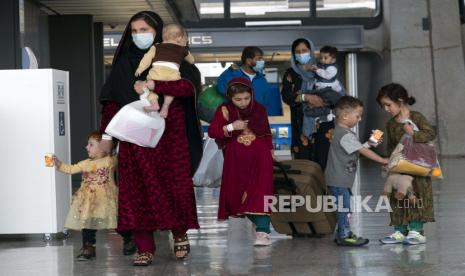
303	178
307	167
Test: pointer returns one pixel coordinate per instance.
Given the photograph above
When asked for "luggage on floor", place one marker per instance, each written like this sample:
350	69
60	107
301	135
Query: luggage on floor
302	178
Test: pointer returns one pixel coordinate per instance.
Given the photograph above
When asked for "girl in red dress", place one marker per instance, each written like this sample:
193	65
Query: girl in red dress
242	131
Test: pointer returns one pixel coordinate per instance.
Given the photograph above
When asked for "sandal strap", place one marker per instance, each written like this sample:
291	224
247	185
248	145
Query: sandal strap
181	239
143	258
182	247
181	244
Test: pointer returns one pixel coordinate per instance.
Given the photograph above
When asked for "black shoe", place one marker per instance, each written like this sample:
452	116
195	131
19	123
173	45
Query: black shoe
351	240
129	247
87	253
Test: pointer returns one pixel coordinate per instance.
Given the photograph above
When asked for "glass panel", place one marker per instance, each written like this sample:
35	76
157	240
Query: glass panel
208	9
346	8
266	9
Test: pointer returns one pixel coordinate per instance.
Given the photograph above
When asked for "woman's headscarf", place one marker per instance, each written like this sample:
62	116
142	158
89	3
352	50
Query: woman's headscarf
119	85
255	113
126	38
308	77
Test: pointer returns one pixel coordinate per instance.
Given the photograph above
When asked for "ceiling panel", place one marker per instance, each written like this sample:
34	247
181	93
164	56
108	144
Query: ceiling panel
113	13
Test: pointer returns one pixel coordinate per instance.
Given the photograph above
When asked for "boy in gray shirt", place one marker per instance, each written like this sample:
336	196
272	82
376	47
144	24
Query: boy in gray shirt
342	164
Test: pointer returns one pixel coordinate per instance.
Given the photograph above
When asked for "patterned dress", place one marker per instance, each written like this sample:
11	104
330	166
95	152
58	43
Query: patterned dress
155	184
403	212
94	205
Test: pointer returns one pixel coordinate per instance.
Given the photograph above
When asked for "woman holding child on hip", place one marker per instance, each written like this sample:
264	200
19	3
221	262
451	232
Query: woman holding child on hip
155	184
300	77
408	219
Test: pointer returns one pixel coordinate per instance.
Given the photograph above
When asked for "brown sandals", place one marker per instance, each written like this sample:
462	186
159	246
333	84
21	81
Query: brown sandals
143	259
181	244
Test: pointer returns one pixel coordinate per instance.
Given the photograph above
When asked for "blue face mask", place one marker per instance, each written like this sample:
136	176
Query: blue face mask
303	58
259	66
143	41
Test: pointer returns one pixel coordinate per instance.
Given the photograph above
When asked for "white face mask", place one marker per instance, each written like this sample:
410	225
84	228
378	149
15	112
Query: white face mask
143	40
259	65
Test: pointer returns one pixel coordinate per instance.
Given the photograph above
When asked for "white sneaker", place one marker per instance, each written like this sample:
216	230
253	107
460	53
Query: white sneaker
396	237
414	237
262	238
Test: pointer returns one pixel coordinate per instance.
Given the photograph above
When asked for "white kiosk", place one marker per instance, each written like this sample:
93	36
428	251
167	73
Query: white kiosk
34	120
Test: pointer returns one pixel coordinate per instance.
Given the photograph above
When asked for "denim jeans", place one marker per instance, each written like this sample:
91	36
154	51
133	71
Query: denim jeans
343	226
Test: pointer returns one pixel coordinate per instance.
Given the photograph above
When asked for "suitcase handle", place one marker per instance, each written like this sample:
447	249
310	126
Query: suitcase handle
290	171
289	183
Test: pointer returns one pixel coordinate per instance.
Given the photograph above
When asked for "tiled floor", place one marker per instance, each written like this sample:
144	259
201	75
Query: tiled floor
225	248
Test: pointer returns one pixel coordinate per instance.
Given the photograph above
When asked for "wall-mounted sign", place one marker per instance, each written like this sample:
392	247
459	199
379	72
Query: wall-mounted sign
199	39
61	123
110	41
274	38
268	38
60	90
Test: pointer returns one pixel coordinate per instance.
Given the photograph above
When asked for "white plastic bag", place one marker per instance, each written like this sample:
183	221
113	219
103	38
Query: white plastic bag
210	169
132	124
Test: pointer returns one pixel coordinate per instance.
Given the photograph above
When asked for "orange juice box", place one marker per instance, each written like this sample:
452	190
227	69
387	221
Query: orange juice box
49	160
376	136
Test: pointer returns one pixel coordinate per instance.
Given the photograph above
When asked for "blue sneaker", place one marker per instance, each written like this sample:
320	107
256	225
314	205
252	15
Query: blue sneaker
396	237
414	237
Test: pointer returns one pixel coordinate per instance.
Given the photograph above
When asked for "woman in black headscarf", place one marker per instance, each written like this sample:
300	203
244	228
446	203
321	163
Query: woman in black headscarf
155	184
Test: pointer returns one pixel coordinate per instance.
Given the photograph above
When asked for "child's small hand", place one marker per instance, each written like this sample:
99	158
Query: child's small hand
408	128
239	124
150	85
137	73
314	68
373	144
56	161
139	87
